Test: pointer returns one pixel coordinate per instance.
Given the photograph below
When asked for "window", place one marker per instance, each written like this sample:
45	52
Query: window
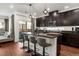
28	25
1	25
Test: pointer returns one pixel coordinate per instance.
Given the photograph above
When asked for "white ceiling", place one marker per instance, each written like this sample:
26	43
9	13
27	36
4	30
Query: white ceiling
36	7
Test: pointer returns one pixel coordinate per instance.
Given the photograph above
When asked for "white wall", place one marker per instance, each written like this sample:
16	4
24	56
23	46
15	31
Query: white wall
16	27
18	17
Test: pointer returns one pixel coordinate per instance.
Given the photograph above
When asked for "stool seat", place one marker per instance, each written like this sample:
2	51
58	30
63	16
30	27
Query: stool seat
46	45
34	41
42	42
26	37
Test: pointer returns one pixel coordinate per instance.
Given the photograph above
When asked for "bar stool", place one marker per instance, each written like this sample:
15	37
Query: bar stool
42	43
34	41
26	38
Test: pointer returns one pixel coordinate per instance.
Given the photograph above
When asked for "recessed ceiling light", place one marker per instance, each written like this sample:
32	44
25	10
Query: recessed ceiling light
34	14
11	6
66	7
48	9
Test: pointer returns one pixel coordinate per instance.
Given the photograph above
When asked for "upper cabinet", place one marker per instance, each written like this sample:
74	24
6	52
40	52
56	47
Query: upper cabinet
38	22
46	21
70	18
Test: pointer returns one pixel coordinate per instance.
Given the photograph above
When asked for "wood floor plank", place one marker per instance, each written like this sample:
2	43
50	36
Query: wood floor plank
69	51
12	49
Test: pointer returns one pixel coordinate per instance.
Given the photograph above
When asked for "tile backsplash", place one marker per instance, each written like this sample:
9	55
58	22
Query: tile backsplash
63	28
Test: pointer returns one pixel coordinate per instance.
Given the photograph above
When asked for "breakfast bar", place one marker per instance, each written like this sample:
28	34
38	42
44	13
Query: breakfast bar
51	38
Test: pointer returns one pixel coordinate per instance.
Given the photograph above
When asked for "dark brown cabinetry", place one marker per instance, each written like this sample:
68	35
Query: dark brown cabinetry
38	22
69	18
71	39
59	40
47	21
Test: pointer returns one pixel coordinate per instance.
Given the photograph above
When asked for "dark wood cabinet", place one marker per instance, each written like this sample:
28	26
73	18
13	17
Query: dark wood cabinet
47	21
38	22
59	40
69	18
71	39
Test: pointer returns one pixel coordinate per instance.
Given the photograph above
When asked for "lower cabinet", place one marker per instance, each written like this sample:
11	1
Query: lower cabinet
70	39
59	45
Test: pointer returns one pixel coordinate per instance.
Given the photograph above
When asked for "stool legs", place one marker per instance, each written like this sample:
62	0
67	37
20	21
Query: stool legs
24	47
28	48
24	44
34	53
35	49
43	51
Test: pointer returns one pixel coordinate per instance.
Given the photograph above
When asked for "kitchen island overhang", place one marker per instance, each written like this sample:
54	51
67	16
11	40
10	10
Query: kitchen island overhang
51	38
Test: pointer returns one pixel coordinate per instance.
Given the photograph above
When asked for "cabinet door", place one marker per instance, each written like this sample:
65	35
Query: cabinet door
51	21
59	20
38	22
41	22
46	21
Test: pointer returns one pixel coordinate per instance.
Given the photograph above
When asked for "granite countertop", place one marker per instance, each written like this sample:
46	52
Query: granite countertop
54	34
49	35
70	32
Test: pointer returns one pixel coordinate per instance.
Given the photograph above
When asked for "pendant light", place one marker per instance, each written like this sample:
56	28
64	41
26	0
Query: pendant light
32	12
30	15
46	9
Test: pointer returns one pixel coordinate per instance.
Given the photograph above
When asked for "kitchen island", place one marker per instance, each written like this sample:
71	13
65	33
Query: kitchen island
53	39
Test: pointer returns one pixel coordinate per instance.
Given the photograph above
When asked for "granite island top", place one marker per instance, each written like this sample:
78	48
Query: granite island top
49	35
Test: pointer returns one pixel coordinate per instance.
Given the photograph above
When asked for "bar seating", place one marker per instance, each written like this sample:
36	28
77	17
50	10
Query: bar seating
26	38
34	41
42	43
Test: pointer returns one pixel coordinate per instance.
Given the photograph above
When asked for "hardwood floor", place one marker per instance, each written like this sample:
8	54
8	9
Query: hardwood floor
69	51
12	49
